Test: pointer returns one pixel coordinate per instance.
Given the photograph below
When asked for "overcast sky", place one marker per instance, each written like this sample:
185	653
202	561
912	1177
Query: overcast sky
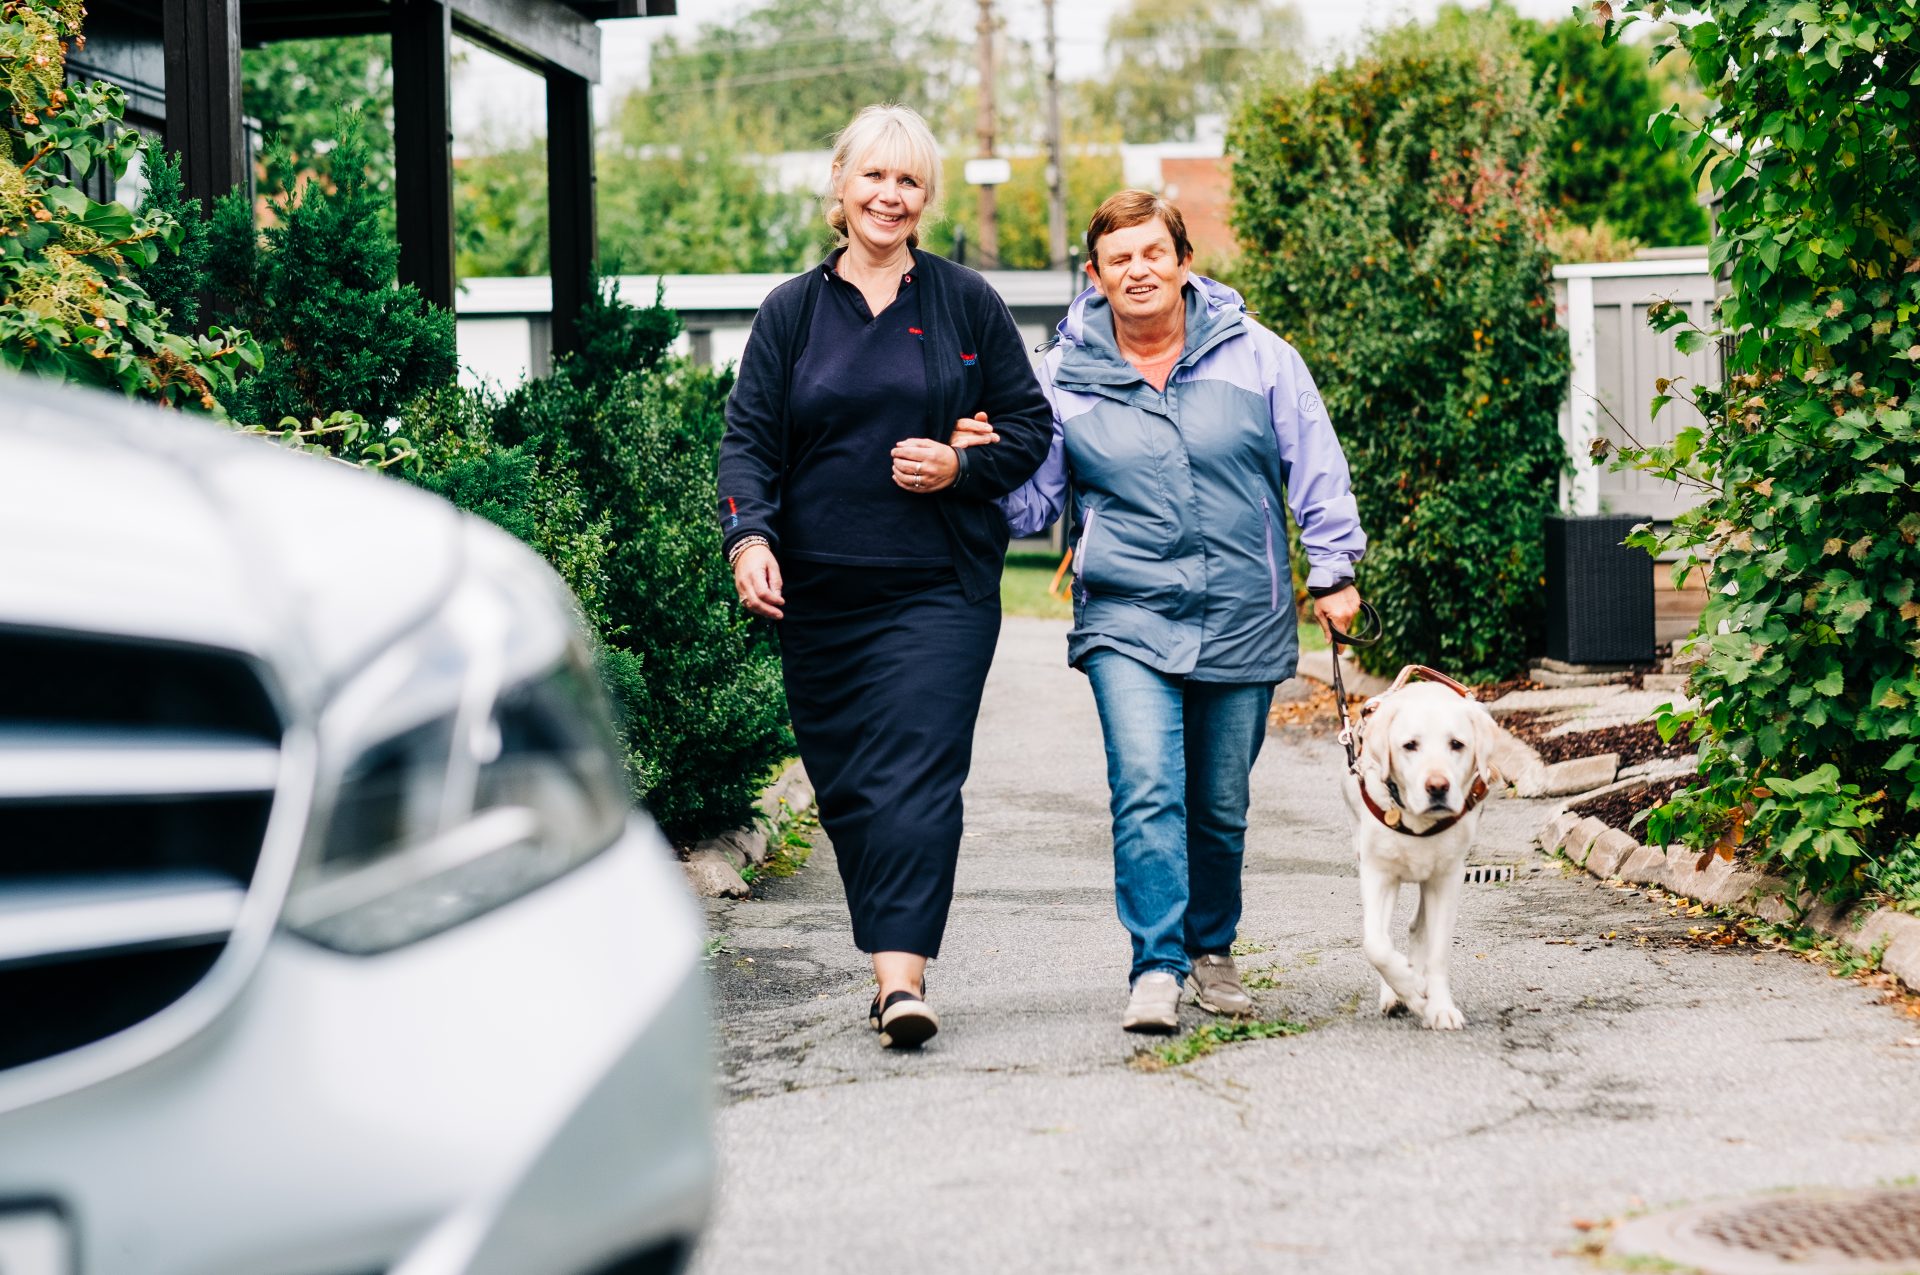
493	98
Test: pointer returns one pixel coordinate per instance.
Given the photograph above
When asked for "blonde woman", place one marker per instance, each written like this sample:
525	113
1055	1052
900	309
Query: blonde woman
876	546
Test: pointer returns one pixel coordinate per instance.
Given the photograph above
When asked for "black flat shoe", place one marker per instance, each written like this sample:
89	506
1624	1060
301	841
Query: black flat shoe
873	1014
906	1022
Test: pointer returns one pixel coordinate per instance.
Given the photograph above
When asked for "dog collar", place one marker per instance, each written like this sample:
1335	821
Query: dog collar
1391	817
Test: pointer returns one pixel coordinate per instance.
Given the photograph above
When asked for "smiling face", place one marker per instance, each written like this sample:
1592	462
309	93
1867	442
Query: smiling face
882	203
1140	273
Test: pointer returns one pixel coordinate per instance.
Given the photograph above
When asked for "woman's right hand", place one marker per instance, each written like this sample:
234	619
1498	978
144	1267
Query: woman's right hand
756	578
972	433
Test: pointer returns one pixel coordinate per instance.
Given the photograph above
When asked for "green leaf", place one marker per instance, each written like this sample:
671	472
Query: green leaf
1690	341
1830	683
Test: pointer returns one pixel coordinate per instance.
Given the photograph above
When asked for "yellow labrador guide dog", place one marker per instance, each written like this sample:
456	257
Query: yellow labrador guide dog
1425	758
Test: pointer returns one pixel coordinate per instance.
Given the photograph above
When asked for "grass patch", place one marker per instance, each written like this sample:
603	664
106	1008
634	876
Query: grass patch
1208	1037
1023	591
1247	947
1023	587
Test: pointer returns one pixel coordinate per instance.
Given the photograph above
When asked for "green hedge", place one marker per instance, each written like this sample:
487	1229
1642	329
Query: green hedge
607	468
1393	230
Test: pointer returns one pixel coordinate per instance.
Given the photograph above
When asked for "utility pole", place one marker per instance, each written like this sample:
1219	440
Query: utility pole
989	225
1056	155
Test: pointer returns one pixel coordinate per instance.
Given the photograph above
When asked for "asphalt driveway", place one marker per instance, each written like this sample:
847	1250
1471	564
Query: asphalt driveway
1596	1076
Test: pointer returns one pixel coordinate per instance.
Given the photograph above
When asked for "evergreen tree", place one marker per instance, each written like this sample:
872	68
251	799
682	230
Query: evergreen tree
317	288
175	280
1602	164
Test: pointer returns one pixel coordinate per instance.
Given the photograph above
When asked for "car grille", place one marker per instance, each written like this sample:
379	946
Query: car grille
135	784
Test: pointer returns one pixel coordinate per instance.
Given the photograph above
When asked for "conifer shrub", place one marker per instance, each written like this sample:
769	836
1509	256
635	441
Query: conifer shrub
1393	229
316	287
607	468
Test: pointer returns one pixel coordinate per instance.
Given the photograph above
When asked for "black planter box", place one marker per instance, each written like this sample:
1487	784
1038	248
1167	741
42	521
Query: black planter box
1599	591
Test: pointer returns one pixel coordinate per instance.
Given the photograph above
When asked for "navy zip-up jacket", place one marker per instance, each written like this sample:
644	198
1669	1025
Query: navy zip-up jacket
976	362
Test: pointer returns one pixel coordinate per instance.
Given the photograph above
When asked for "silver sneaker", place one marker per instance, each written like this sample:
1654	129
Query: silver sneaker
1154	1005
1215	985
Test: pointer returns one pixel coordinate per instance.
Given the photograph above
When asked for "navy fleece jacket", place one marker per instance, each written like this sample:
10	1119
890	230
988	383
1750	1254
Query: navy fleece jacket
976	362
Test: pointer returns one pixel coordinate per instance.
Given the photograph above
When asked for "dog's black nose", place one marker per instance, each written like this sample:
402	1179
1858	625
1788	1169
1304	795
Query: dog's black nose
1438	787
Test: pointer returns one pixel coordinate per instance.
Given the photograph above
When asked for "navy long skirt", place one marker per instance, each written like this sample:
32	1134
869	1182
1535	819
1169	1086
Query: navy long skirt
884	669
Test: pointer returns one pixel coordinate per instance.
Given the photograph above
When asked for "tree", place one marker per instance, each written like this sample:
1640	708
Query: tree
1393	230
317	287
699	200
1171	61
793	72
1021	213
1808	681
1602	165
296	89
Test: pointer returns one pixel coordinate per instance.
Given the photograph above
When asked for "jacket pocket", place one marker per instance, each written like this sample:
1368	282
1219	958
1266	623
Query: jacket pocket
1273	565
1086	541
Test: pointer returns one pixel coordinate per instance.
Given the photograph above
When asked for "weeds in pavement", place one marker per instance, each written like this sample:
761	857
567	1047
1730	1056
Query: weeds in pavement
717	945
1247	947
1208	1037
789	841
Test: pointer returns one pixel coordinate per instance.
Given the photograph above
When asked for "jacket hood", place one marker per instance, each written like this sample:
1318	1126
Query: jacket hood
1092	355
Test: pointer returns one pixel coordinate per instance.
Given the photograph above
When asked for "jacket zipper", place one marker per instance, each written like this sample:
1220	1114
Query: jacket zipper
1086	539
1273	571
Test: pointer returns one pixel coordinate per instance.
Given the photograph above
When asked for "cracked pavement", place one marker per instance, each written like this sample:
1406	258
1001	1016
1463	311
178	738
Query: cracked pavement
1594	1078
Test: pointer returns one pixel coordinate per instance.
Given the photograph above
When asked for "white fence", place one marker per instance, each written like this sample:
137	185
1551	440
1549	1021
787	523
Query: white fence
1616	359
505	330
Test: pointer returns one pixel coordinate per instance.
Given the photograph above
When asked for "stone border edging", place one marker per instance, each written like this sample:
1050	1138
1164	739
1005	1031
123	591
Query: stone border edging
1607	852
714	866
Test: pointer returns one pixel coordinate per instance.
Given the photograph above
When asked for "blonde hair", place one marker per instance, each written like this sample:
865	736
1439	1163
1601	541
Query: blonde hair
895	136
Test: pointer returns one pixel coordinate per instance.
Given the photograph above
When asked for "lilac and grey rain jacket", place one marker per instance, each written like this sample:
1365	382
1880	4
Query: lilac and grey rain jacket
1180	557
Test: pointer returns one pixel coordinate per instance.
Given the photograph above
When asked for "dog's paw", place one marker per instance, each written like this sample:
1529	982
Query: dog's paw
1390	1006
1444	1016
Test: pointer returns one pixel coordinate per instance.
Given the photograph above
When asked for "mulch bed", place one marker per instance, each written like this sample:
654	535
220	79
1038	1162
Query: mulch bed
1617	809
1635	744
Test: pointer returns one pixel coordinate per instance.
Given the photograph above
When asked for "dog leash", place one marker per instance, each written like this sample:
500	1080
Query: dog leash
1339	639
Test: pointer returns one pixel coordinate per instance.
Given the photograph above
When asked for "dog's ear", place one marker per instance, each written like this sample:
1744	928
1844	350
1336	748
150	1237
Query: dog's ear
1376	748
1503	758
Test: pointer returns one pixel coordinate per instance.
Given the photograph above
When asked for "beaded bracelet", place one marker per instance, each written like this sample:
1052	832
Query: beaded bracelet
743	544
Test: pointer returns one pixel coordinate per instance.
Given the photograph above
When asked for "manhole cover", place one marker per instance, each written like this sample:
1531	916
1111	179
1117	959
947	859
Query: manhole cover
1811	1233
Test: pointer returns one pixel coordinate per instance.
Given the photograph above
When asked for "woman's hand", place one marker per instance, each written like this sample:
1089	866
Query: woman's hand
972	433
1338	610
922	465
756	578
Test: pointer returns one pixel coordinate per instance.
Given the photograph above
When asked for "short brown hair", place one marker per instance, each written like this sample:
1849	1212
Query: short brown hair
1134	208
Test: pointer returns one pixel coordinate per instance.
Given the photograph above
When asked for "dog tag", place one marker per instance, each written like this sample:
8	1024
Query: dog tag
1393	818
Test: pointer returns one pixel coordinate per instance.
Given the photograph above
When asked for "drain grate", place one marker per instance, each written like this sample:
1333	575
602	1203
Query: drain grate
1485	873
1852	1233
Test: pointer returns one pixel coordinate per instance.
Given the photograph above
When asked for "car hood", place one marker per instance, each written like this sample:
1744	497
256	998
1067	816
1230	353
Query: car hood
122	519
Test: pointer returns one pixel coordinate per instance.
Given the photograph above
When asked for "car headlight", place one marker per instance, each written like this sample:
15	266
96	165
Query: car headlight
479	763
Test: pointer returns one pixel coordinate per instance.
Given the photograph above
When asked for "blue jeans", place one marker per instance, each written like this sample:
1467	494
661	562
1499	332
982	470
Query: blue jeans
1179	756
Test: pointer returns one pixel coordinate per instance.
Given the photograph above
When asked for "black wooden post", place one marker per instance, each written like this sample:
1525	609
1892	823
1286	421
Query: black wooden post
570	221
423	145
201	40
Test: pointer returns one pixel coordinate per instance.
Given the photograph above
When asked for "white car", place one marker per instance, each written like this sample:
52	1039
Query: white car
329	944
